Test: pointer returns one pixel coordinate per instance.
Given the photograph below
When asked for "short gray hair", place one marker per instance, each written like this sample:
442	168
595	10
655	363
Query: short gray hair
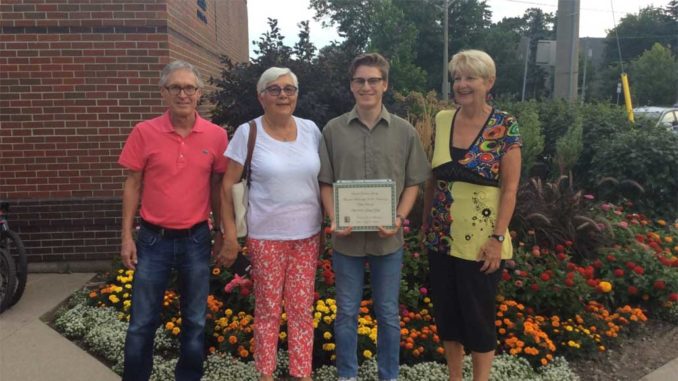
273	73
179	65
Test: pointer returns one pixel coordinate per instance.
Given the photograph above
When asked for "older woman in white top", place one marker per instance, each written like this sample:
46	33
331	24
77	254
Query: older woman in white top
283	220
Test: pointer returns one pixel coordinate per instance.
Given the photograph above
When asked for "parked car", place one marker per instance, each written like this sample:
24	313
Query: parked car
662	116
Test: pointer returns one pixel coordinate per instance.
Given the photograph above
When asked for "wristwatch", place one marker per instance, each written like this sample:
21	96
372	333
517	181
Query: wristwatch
498	237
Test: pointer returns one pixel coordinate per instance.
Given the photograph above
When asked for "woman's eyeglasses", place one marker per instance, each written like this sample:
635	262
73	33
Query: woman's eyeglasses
276	90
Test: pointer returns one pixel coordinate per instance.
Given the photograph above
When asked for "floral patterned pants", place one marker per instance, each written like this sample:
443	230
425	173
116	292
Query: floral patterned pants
284	272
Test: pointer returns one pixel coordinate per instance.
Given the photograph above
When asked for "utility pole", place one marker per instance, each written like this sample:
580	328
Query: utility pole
567	56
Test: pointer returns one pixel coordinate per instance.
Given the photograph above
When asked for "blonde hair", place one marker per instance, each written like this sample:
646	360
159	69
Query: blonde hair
474	62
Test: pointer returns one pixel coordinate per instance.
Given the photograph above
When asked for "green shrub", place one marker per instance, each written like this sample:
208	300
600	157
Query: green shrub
648	157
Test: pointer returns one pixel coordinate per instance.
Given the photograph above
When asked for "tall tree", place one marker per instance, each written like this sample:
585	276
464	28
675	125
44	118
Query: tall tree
654	77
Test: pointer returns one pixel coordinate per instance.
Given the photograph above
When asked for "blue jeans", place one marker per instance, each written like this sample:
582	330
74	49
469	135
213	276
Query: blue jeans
157	256
385	282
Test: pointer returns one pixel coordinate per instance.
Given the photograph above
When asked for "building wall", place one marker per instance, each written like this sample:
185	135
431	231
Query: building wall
75	77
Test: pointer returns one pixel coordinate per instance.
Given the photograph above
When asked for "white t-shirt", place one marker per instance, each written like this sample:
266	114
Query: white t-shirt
284	196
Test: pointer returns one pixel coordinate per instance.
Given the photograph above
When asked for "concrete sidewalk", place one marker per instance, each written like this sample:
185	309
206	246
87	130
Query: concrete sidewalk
30	350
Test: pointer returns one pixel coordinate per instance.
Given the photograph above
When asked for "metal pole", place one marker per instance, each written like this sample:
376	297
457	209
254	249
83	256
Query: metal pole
583	84
446	81
527	58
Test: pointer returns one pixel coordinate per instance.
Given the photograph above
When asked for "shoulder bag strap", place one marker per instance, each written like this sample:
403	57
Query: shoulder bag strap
247	170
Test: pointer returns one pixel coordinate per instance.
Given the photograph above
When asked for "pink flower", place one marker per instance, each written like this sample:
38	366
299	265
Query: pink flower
623	224
237	281
605	206
589	196
406	229
423	291
415	254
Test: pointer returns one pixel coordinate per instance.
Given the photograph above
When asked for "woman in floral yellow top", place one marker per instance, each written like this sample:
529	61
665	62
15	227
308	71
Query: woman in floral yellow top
468	205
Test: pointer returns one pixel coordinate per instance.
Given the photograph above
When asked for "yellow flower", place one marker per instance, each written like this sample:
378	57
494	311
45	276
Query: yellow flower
327	335
605	286
113	298
327	320
367	354
228	312
176	330
282	336
328	347
169	326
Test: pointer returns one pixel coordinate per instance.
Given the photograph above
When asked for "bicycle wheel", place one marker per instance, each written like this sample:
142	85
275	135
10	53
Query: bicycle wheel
13	243
7	278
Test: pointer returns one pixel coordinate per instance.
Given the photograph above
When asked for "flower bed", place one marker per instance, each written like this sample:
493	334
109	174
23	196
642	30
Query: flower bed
550	304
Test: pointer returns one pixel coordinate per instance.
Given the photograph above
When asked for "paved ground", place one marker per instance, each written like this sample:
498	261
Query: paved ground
30	350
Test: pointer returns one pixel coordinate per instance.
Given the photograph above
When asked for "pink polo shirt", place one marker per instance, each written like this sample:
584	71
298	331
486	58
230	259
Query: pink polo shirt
176	170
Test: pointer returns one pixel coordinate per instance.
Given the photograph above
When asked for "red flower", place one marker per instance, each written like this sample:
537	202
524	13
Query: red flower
638	270
592	282
505	275
597	263
630	265
611	258
568	243
560	248
534	287
561	256
673	297
545	277
618	273
569	282
632	290
659	284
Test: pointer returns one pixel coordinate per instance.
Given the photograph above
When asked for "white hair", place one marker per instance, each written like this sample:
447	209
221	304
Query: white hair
179	65
273	73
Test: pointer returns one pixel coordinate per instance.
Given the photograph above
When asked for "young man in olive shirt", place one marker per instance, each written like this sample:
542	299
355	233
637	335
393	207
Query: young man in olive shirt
370	143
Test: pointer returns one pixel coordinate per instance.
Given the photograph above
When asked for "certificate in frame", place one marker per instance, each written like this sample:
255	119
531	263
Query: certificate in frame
365	205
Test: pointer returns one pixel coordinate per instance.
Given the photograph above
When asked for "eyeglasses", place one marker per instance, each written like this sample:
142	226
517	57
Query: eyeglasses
276	90
176	90
360	82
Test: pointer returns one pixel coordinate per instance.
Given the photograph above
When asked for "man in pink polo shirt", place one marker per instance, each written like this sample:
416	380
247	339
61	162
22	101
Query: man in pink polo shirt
175	164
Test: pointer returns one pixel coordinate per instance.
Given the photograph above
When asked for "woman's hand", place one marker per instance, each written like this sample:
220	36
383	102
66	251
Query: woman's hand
229	252
490	253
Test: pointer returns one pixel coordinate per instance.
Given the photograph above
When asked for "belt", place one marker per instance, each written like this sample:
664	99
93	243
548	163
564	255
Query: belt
173	233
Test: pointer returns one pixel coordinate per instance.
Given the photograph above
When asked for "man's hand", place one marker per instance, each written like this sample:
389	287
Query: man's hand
386	233
490	253
218	244
340	233
128	253
228	252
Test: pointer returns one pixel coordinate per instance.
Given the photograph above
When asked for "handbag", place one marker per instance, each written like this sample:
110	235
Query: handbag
240	190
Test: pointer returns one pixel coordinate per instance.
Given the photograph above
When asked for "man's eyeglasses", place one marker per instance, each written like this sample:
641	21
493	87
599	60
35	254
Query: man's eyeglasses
360	82
276	90
176	90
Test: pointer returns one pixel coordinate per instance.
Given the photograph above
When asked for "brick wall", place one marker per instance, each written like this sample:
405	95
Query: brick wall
75	76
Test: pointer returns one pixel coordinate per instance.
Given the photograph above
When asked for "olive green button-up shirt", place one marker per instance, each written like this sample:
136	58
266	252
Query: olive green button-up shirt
391	149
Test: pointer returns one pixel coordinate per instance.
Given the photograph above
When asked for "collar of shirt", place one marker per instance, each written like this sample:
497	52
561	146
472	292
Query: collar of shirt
198	126
385	115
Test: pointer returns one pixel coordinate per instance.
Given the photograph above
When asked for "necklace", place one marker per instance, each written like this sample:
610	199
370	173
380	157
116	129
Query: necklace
286	133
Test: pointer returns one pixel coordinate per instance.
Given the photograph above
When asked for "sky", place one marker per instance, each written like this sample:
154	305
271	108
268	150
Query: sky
595	20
